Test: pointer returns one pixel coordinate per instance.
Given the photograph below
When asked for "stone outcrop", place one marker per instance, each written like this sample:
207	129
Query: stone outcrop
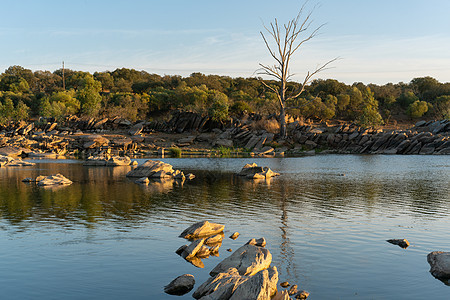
440	264
425	138
234	286
253	171
117	136
248	260
181	285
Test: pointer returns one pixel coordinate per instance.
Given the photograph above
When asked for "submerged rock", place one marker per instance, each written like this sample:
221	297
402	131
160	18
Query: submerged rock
440	264
181	285
234	235
302	295
202	229
57	179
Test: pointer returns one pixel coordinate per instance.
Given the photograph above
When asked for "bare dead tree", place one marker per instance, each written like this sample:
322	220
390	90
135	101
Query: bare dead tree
286	39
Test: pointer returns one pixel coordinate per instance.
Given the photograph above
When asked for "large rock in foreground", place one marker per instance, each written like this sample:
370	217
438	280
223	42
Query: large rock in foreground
248	260
234	286
181	285
202	229
440	264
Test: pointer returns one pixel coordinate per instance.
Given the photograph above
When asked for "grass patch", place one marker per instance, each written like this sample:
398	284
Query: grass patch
175	152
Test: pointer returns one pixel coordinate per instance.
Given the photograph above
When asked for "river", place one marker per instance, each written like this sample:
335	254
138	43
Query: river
326	220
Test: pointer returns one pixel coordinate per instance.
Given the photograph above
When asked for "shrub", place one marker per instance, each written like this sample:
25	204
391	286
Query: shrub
417	109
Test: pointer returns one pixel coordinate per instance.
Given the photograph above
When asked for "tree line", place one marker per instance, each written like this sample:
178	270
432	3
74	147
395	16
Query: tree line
139	95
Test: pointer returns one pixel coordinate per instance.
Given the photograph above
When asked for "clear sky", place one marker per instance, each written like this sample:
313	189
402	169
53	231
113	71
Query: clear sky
379	41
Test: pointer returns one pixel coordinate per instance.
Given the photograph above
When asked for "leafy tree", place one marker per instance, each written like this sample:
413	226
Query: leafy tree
219	106
60	104
417	109
240	107
407	98
442	107
369	112
89	96
425	87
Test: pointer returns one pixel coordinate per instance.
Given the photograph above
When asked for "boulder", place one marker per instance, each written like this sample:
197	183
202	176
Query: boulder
181	285
202	229
57	179
152	168
234	286
224	143
214	239
262	285
403	243
192	249
203	252
440	264
11	151
248	260
234	235
261	242
282	295
136	129
302	295
95	161
115	161
253	171
221	286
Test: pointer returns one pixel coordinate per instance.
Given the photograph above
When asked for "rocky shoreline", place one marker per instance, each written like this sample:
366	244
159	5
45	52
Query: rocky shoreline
191	134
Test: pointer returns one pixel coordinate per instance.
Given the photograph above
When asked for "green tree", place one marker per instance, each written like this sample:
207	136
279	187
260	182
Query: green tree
417	109
219	106
89	95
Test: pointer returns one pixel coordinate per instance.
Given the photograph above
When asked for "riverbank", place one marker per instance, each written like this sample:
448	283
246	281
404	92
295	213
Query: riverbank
189	134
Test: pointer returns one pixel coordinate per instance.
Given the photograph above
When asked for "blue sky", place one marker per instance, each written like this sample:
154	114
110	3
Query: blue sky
378	41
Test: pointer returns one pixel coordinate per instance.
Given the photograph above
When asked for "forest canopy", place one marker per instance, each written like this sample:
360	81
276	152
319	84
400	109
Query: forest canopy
139	95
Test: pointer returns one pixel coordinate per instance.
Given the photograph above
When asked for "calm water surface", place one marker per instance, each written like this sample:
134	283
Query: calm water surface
105	237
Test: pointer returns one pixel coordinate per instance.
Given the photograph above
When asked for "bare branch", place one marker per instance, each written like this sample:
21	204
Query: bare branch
309	76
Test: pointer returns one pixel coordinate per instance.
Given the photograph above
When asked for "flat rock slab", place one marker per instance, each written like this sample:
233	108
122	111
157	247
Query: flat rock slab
57	179
440	264
11	151
181	285
202	229
248	260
